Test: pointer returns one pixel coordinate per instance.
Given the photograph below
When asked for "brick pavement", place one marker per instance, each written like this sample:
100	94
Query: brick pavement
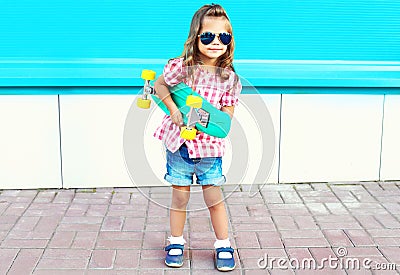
123	230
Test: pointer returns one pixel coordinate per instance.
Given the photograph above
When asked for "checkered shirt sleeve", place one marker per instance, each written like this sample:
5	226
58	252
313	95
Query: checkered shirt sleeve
173	72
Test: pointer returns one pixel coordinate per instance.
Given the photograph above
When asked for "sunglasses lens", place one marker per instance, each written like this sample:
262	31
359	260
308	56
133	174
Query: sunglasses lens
225	38
207	37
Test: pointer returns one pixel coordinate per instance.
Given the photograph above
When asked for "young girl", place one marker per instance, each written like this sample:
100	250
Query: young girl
206	66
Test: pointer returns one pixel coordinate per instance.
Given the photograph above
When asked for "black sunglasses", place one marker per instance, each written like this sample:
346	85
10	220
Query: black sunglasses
208	37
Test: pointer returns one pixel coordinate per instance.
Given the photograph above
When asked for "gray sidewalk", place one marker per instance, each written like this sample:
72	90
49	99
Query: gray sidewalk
123	230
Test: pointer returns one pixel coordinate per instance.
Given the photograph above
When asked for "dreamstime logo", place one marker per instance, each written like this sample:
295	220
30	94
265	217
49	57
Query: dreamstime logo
341	261
249	154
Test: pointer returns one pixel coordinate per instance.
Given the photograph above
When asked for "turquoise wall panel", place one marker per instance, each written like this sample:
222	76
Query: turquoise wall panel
264	29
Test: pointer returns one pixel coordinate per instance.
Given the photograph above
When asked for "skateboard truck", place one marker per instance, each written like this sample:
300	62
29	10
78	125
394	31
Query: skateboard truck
198	115
194	102
144	101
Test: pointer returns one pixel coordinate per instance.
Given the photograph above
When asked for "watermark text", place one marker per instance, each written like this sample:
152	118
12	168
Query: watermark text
341	261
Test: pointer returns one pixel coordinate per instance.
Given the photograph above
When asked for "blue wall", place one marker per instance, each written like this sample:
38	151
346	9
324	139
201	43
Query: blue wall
108	42
272	29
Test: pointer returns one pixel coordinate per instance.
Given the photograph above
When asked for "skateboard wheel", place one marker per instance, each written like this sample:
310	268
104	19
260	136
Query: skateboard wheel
194	101
148	74
188	133
143	103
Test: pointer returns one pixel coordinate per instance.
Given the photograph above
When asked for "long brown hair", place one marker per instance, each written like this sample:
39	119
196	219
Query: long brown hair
191	53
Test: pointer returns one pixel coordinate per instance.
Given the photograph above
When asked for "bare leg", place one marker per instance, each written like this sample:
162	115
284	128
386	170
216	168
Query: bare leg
177	219
215	203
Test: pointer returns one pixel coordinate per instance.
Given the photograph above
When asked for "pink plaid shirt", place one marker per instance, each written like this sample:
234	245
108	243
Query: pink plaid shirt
217	91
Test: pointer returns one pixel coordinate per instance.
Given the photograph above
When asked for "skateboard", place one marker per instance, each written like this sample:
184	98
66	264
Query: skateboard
197	112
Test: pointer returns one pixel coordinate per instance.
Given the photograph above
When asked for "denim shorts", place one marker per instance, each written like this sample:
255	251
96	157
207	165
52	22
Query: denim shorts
181	168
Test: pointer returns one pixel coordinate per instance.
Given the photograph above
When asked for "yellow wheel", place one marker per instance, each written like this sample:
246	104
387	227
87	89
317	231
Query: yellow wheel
194	101
143	103
188	133
148	75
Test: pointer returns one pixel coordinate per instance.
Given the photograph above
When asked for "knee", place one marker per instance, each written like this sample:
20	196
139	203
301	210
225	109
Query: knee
216	206
180	200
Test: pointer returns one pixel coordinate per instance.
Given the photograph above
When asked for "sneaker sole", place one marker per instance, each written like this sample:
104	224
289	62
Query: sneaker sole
173	265
224	269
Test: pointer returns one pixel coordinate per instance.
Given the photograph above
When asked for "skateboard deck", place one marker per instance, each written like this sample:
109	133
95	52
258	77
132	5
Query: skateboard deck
210	120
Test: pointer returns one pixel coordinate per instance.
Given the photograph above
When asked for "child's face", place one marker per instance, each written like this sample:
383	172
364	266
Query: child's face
210	53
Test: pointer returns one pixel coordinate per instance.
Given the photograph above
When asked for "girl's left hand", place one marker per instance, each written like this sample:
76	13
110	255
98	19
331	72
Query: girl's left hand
177	118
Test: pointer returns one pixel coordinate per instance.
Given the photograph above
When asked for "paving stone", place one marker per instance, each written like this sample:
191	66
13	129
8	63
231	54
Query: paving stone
102	259
387	232
62	239
24	243
26	223
294	209
64	196
133	224
265	225
200	224
270	239
387	241
336	208
45	196
305	222
176	271
112	224
26	261
7	257
62	263
16	209
363	196
279	271
127	259
305	242
369	221
322	253
258	211
202	240
337	237
57	253
388	221
290	197
84	240
301	233
391	253
360	237
317	208
97	211
300	256
285	223
153	240
246	240
59	271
